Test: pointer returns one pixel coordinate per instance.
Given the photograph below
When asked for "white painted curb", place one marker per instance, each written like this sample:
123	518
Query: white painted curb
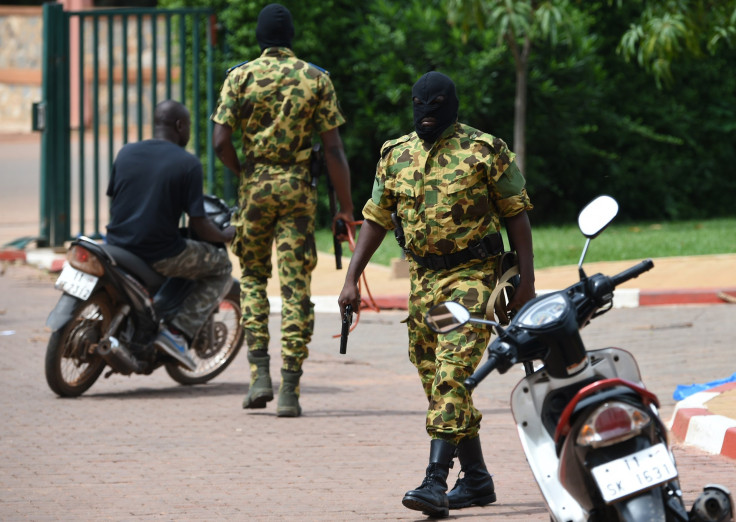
705	431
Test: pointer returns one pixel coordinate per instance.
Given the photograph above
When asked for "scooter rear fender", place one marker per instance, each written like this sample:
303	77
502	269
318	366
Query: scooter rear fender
63	312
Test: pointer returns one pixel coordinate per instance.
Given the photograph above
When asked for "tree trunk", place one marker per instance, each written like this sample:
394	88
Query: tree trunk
519	145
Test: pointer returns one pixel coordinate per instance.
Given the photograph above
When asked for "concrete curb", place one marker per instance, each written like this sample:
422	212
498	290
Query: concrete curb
623	298
689	296
52	261
46	260
11	255
695	425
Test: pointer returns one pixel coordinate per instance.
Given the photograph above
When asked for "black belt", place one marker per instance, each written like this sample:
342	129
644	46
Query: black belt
490	245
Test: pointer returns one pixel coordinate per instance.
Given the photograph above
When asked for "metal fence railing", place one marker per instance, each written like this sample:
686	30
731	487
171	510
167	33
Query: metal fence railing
104	71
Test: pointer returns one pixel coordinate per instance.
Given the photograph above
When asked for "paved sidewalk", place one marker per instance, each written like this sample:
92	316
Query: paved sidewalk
706	421
145	448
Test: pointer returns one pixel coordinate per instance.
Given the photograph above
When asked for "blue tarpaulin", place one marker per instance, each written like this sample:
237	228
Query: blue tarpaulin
684	390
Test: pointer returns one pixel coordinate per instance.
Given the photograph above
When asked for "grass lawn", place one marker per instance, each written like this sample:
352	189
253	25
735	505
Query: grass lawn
558	246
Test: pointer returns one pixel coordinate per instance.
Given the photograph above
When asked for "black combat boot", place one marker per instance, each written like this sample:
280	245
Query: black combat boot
476	485
431	497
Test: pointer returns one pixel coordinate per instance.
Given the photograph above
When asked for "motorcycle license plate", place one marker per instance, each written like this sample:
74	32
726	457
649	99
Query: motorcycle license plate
75	282
636	472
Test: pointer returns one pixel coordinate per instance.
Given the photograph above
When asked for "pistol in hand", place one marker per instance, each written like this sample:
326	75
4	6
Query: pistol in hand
347	321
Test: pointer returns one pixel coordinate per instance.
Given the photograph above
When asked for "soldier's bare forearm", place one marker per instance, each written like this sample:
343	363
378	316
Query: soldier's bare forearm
223	145
370	238
338	169
520	234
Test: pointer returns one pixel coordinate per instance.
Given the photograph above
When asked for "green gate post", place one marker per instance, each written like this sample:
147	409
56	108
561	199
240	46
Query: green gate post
55	153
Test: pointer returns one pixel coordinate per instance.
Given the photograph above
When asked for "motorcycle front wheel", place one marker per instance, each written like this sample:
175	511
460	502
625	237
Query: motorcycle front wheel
217	343
72	366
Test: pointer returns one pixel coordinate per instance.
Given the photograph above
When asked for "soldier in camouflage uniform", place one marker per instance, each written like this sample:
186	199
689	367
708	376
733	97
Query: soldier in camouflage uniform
449	185
152	183
279	103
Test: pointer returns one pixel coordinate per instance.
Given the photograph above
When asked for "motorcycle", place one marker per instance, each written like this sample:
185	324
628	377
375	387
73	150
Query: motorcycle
588	426
112	308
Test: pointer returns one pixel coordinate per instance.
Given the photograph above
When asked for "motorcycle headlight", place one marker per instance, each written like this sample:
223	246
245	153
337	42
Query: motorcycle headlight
544	312
612	422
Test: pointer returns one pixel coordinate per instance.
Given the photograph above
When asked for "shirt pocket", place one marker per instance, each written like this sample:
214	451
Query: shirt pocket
464	199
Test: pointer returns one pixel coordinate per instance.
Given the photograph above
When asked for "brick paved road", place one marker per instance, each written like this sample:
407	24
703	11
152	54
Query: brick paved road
145	448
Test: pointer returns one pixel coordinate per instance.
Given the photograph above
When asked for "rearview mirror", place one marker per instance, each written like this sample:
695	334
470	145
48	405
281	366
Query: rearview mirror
446	317
597	215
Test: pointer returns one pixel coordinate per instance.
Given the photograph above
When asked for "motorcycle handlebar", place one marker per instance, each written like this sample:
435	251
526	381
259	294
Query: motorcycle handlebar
634	271
599	284
482	372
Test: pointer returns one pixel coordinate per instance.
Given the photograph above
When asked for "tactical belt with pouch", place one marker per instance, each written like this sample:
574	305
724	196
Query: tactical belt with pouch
489	246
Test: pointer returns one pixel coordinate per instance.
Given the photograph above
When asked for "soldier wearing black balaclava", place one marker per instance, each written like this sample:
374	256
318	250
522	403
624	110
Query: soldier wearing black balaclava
435	105
449	185
275	27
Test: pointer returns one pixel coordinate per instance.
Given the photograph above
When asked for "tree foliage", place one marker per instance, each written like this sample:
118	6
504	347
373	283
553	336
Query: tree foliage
670	30
596	123
519	25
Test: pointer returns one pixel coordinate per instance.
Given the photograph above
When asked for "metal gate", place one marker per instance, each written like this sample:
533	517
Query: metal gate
104	71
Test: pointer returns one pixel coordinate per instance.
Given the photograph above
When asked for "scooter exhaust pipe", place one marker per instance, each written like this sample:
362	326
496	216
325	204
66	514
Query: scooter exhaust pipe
118	356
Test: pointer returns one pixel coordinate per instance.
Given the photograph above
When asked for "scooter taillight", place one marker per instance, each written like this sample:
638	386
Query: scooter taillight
612	422
84	260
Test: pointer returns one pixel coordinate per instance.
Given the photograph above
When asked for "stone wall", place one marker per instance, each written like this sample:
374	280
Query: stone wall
21	54
21	48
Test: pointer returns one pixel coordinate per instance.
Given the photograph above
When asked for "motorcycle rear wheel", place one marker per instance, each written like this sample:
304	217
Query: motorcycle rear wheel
216	344
71	366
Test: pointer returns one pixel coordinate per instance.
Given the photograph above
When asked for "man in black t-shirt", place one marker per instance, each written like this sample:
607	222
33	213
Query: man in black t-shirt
153	182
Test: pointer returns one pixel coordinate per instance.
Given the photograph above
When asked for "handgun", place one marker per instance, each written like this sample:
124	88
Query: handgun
340	226
347	321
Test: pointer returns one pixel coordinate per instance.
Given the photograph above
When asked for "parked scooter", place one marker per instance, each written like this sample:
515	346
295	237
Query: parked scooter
112	309
589	428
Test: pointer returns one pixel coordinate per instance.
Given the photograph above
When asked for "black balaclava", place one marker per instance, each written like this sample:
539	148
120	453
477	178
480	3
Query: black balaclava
275	27
427	88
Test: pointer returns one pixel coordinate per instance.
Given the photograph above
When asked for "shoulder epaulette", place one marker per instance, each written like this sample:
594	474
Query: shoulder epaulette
322	69
231	69
390	144
486	138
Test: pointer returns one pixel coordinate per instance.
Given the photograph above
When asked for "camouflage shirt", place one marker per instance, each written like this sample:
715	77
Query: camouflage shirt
449	193
279	102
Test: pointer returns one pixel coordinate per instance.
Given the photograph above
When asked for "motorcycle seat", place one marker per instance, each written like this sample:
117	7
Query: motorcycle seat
136	266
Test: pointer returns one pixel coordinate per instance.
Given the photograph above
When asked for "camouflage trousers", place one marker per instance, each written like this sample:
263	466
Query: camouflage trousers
444	361
280	209
211	268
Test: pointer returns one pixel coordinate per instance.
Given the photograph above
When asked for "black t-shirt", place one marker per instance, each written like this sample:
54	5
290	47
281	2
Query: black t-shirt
152	183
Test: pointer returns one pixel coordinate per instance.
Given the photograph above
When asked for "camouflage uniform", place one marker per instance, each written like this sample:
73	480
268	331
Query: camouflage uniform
279	102
210	267
447	194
